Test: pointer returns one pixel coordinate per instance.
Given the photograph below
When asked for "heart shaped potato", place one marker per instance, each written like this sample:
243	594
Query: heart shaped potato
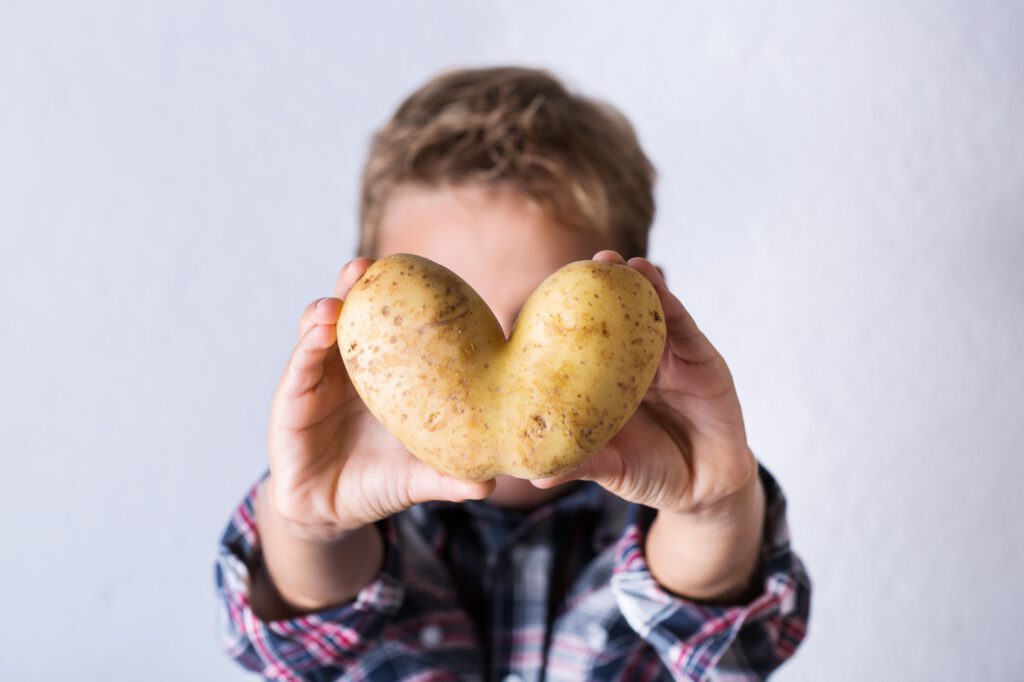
431	362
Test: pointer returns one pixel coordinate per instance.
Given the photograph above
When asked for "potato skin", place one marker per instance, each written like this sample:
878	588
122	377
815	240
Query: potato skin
430	361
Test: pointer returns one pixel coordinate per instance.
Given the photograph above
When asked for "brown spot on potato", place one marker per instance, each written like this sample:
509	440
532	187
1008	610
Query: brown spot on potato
398	320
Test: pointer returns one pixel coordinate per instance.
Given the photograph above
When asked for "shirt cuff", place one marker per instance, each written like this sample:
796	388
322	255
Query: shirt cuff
297	648
745	641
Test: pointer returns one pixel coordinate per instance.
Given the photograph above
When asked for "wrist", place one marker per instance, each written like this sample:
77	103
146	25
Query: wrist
742	496
304	570
298	578
280	512
710	556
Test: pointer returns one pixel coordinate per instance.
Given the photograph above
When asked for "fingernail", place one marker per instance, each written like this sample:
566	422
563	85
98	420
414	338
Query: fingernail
657	270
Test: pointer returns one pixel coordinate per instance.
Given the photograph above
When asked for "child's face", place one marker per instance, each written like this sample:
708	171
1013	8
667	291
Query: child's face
497	241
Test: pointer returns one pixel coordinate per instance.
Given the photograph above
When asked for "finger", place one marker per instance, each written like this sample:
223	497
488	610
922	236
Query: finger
320	311
305	368
685	339
584	472
349	275
555	481
609	256
427	484
326	310
604	470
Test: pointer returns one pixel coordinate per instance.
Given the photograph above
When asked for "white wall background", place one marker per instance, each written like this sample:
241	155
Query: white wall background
841	207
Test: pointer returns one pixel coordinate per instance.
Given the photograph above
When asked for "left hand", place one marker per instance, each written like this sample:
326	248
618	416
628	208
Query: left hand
685	448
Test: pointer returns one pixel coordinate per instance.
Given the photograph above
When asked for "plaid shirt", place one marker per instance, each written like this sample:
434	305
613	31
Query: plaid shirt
476	592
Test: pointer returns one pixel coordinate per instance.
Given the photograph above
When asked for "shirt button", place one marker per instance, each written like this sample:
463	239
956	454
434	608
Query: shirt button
512	677
596	636
431	636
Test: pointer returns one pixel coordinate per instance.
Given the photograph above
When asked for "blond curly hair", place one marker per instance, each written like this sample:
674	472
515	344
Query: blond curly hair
577	158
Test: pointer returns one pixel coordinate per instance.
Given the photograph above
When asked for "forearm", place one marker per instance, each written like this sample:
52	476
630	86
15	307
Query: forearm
712	558
302	573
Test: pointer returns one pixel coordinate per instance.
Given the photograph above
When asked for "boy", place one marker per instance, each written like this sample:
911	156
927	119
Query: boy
664	557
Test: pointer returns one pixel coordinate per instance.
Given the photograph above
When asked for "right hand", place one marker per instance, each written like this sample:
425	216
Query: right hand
333	467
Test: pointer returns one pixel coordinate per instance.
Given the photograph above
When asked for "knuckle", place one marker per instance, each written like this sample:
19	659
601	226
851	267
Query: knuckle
314	338
306	319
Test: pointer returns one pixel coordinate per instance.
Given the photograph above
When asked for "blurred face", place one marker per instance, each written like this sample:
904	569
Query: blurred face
501	244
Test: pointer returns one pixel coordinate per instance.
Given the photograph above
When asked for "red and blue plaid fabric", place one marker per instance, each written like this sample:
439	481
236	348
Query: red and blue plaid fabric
476	592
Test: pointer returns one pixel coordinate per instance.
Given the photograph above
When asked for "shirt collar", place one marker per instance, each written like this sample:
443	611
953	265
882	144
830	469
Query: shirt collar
580	495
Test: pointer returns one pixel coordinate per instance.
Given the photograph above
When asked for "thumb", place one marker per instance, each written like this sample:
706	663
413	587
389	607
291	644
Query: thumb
427	484
584	472
605	467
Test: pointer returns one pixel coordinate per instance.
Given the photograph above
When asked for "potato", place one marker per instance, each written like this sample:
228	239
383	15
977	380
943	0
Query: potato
431	362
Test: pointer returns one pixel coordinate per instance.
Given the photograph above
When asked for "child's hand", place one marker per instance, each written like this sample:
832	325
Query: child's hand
685	449
333	467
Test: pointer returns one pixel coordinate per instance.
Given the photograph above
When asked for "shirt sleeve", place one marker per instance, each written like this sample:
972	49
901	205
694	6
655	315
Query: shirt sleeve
702	641
316	646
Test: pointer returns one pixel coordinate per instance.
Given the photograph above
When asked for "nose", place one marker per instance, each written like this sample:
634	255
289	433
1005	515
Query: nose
507	319
506	324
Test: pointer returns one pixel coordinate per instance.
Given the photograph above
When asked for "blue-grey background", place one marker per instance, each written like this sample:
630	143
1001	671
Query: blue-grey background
841	201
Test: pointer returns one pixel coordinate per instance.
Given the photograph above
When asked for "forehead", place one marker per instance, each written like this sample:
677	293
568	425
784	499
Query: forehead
477	221
500	242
